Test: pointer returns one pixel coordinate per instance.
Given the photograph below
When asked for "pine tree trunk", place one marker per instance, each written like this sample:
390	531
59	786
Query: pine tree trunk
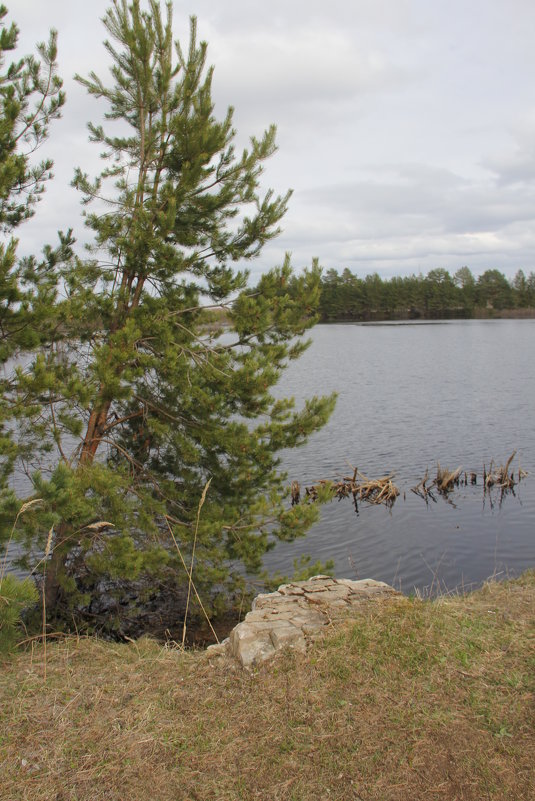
55	565
92	439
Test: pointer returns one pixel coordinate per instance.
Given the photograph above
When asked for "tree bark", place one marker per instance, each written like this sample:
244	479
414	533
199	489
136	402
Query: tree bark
92	439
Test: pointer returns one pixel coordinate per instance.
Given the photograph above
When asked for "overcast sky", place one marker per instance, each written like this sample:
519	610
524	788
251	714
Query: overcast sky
406	128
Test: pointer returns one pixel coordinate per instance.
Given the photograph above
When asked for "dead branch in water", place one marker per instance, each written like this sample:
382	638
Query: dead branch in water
383	490
444	482
378	490
360	487
423	490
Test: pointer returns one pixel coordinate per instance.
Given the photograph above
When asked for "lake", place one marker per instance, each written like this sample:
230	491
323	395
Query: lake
411	395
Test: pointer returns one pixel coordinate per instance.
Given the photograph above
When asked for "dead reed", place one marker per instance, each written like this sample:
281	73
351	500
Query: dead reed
447	479
360	487
499	476
383	491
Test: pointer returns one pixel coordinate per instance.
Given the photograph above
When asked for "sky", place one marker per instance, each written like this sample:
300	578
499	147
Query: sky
406	128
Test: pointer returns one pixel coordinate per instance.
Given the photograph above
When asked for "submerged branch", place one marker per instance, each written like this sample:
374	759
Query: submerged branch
383	491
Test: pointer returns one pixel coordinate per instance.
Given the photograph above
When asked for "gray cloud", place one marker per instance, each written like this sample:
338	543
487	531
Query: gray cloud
406	128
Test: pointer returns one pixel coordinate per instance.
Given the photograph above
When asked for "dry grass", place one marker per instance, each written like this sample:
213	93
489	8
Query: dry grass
447	479
499	476
410	700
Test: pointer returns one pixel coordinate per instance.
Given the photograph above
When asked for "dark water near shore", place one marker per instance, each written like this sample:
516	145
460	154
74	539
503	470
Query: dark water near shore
411	394
458	392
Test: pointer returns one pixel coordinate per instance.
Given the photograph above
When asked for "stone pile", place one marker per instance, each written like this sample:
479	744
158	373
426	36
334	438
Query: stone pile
295	613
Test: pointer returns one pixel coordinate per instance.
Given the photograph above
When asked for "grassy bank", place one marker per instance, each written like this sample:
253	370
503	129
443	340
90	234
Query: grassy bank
409	700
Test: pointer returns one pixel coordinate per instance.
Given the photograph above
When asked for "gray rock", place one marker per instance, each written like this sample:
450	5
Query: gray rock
288	637
292	616
218	649
251	643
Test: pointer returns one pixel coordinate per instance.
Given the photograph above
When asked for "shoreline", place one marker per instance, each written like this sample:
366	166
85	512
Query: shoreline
452	315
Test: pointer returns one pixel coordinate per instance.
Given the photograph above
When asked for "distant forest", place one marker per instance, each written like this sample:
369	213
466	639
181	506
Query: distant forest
437	295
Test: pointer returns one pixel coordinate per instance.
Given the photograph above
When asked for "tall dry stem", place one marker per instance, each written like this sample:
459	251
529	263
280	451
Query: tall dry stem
201	504
205	613
47	554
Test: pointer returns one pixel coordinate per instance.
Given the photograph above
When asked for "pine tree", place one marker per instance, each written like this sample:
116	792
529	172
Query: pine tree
15	597
158	403
31	96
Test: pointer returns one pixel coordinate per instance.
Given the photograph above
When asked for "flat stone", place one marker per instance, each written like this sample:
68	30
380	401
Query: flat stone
315	588
261	614
291	589
338	589
270	616
309	619
281	600
366	584
262	598
339	603
278	610
288	637
250	645
321	595
277	600
256	625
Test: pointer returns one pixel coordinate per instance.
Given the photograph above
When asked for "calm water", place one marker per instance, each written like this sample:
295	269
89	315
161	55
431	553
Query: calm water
459	392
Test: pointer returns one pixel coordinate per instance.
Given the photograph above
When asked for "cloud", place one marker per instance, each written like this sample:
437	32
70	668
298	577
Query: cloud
408	143
515	168
320	67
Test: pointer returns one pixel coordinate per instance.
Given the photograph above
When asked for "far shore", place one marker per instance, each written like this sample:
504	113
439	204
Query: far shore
444	314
